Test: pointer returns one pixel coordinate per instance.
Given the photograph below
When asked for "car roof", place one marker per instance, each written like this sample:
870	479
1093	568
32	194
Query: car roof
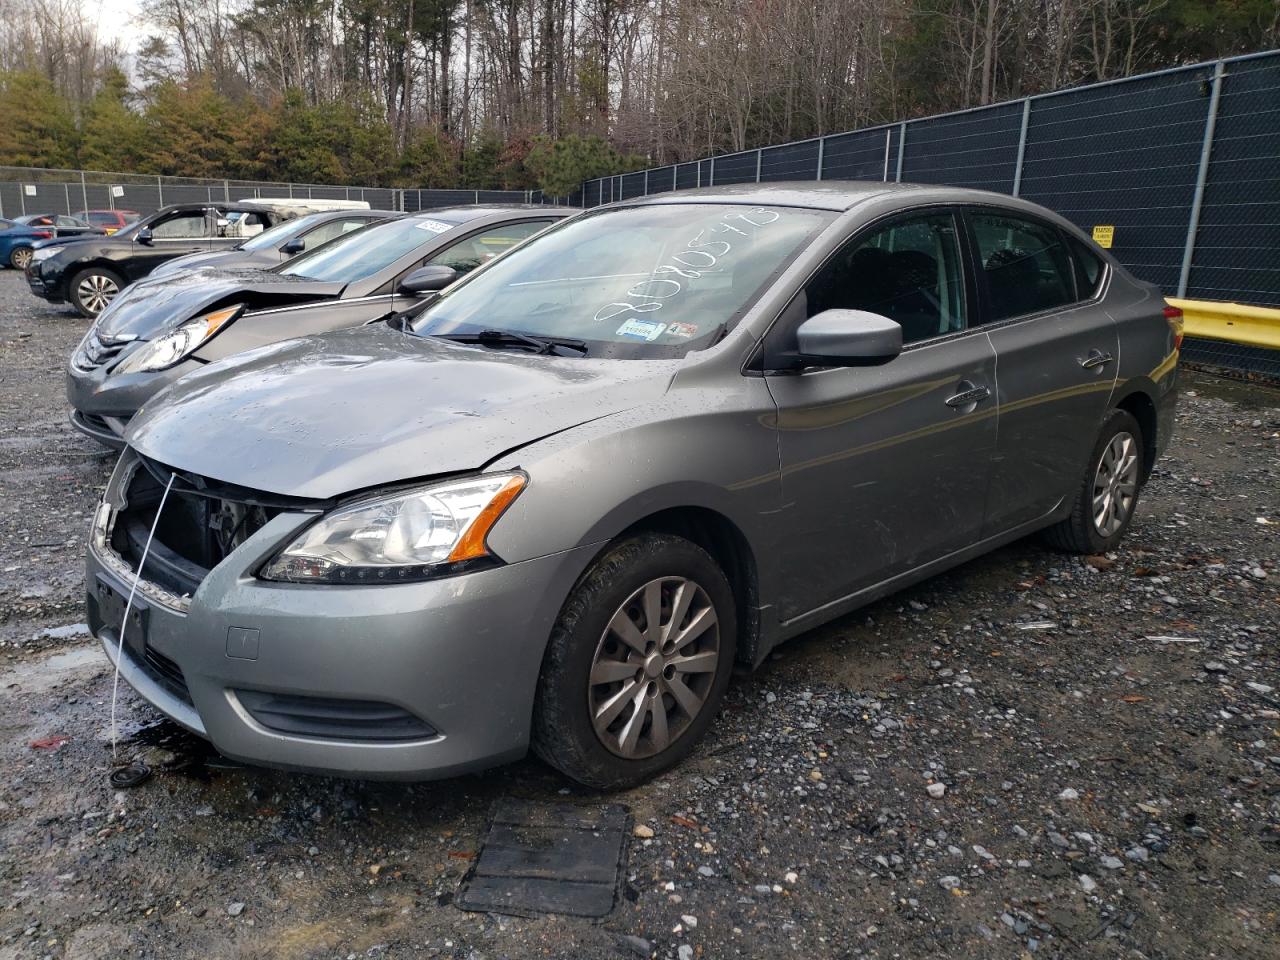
474	211
349	212
248	206
819	194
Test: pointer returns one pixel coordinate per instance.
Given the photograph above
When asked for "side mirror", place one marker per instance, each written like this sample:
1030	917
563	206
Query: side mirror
294	247
144	236
848	338
428	279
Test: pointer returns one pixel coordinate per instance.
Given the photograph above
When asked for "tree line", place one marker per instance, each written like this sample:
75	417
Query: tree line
545	93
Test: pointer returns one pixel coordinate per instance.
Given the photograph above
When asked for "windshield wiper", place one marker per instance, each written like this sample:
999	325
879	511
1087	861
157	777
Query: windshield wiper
504	338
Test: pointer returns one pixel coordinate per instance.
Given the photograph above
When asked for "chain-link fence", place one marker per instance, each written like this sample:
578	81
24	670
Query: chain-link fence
1183	164
25	190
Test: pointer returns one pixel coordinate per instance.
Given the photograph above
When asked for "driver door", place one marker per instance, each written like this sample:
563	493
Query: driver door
884	468
179	233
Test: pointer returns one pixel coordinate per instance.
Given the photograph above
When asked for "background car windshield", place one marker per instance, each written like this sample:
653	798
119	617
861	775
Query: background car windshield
637	281
269	238
363	253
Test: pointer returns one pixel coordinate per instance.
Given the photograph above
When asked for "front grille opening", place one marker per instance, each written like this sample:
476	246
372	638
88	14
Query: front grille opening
165	672
96	352
331	718
152	662
196	531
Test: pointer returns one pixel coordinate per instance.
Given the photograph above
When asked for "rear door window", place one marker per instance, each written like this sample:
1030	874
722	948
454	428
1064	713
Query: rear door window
1025	263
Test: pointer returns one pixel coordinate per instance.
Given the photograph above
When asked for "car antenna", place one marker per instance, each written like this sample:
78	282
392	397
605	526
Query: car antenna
136	773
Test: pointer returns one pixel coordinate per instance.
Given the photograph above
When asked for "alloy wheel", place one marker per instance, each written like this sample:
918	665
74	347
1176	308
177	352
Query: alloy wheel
21	257
654	667
1115	484
95	291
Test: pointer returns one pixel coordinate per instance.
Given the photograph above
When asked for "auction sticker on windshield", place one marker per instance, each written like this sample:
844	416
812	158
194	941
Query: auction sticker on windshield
642	329
435	226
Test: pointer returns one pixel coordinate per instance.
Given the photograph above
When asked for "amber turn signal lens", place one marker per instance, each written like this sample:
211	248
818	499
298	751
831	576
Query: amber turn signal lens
472	543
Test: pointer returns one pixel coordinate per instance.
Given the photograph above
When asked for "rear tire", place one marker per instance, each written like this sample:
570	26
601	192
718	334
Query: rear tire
92	288
637	664
19	257
1107	496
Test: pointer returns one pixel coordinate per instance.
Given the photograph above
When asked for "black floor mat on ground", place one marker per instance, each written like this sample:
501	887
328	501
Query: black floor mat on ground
548	858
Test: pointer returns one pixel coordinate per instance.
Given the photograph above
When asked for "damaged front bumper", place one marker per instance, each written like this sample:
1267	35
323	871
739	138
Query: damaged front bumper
405	680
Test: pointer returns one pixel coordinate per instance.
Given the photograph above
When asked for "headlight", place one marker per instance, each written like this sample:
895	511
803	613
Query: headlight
44	253
163	352
409	536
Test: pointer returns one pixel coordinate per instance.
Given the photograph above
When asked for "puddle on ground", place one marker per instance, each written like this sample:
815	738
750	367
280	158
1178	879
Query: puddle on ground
170	749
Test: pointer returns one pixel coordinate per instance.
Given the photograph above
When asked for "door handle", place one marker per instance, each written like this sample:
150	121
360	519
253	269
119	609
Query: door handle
968	397
1096	358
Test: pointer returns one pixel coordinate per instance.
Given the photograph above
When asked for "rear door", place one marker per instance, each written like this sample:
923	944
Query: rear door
1056	352
884	468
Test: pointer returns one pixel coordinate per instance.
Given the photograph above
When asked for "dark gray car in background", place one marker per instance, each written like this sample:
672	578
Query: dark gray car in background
162	328
664	436
279	243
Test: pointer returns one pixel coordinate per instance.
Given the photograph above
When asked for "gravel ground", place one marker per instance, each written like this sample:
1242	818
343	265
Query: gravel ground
1031	755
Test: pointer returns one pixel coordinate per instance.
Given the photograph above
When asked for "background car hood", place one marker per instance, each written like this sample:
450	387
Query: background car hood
150	307
327	415
221	259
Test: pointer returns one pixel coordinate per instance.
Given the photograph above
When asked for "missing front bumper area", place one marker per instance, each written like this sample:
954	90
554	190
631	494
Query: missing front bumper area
202	523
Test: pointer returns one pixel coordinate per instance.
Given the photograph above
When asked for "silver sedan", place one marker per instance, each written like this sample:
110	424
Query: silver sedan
553	507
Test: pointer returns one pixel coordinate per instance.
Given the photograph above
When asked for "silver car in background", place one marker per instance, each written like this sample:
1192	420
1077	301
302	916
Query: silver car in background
557	505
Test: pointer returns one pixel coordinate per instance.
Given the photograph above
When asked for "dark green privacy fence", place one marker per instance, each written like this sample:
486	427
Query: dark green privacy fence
25	190
1184	164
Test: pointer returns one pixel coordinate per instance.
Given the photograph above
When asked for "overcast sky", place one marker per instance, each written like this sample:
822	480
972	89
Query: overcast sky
115	21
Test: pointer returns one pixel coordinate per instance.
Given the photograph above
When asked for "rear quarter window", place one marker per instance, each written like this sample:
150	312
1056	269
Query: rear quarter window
1088	268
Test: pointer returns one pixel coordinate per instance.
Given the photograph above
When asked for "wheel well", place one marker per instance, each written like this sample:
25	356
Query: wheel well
720	537
1144	411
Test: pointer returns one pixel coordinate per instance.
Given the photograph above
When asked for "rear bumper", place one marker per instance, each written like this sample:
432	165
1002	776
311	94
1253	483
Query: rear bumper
461	654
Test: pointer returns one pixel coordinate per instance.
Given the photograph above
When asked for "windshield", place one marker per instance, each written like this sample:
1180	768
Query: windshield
646	281
364	252
280	232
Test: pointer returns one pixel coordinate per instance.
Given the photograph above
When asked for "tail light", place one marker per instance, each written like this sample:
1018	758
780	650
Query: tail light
1173	316
42	234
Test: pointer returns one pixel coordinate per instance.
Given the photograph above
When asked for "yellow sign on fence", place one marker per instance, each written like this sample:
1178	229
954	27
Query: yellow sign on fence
1103	235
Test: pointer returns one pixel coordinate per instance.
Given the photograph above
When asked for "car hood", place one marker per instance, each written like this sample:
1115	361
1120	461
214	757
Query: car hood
327	415
220	259
150	307
69	241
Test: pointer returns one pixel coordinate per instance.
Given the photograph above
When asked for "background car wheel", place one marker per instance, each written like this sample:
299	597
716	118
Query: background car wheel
92	289
19	257
1108	495
637	663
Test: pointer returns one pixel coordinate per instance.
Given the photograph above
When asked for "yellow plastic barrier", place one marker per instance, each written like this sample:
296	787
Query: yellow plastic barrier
1234	322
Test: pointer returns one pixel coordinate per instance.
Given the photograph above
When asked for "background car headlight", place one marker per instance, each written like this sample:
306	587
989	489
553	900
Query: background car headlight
165	351
409	536
44	253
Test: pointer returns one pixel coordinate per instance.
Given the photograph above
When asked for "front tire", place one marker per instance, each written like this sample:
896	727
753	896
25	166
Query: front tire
93	288
637	664
19	257
1108	494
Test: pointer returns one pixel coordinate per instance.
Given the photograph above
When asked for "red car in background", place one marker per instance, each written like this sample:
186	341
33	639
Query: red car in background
109	220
